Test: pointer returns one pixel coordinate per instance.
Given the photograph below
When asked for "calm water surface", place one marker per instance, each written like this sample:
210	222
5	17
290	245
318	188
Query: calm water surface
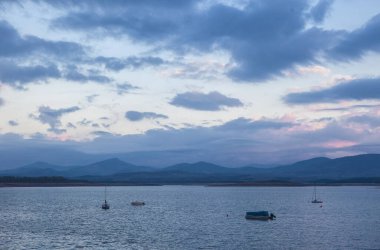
189	217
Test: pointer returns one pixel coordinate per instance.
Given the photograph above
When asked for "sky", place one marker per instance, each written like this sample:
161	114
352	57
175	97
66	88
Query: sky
231	82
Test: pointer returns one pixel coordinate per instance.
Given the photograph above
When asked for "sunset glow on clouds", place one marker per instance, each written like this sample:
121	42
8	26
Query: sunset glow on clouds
231	82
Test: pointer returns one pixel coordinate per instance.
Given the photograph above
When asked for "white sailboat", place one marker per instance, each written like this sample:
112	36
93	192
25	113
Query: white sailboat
105	205
314	199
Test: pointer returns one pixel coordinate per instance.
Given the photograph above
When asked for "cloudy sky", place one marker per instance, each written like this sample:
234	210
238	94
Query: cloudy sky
228	81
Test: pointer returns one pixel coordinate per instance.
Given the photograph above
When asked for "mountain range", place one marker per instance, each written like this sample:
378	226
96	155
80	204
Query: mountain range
15	157
116	170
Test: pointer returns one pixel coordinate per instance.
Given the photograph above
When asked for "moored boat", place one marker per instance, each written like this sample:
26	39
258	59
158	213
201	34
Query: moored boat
259	215
137	203
315	199
105	205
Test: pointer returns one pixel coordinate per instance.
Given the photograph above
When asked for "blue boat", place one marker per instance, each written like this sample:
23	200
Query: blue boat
259	215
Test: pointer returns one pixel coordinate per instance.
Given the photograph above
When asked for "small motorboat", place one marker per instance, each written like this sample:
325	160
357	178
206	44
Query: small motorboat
137	203
259	215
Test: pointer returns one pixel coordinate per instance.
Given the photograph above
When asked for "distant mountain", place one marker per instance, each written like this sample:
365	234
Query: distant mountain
106	167
18	157
199	168
34	170
359	166
15	157
352	167
102	168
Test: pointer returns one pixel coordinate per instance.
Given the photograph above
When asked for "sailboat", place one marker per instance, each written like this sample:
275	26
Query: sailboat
105	205
315	200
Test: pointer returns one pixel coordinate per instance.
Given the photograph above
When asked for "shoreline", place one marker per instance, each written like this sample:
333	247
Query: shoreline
213	185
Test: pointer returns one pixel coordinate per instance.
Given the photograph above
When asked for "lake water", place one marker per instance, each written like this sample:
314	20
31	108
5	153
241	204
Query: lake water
189	217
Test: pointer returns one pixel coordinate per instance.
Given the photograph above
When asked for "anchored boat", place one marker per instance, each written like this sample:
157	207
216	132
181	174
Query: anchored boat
259	215
314	199
105	205
137	203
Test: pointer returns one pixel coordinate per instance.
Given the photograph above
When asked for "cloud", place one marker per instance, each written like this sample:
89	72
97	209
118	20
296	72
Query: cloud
138	116
351	107
212	101
25	59
373	121
102	133
242	141
244	124
73	74
91	98
13	123
14	75
319	11
235	143
201	68
261	47
124	88
133	62
13	45
221	143
85	122
70	125
47	115
354	45
1	101
356	90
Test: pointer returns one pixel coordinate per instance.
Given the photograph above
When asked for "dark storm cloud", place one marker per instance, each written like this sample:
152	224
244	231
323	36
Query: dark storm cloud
356	44
212	101
358	89
47	115
138	116
13	74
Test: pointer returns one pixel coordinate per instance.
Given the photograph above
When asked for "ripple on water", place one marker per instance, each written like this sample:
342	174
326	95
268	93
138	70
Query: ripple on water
183	217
